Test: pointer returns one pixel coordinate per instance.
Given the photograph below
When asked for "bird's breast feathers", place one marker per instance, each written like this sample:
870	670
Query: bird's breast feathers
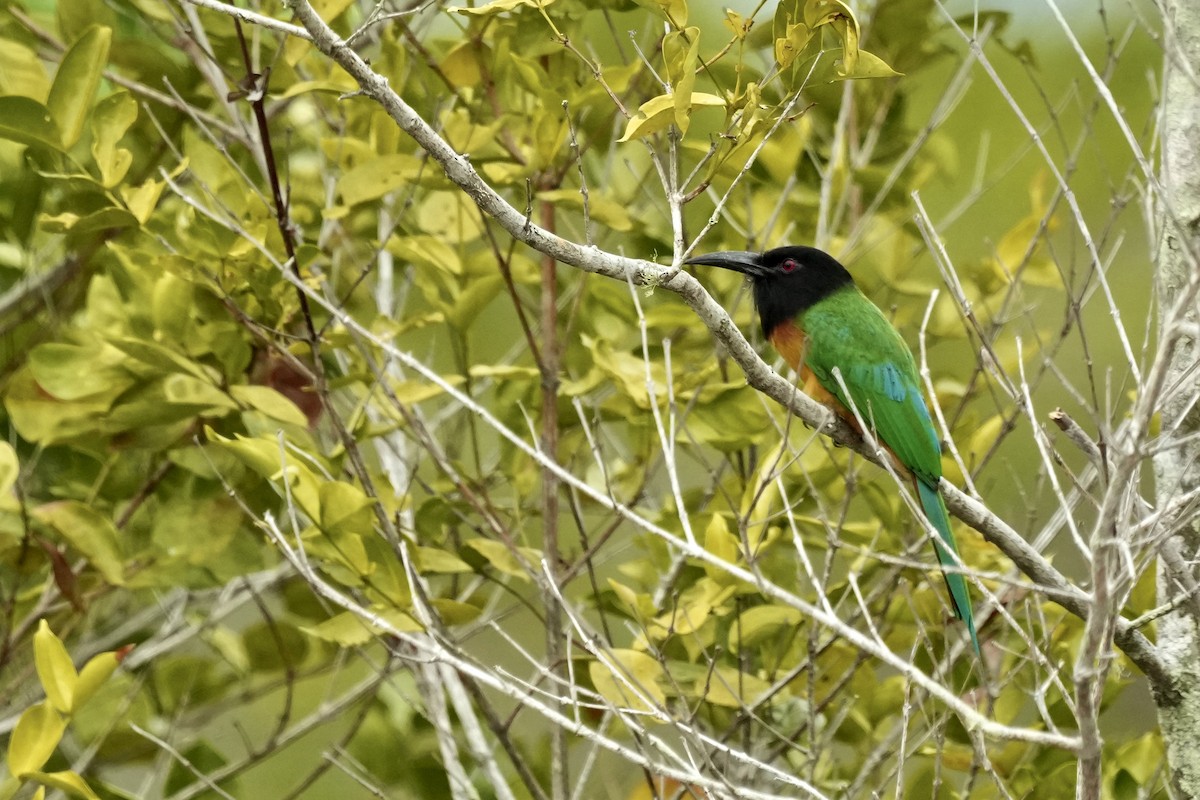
790	341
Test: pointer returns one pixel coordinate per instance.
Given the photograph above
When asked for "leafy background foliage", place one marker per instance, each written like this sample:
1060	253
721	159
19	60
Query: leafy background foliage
168	406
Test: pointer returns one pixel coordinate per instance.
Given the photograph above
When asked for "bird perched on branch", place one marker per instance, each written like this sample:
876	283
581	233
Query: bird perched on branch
819	321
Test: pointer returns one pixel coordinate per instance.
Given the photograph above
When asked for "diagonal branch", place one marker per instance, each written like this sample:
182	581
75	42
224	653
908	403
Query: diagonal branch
758	374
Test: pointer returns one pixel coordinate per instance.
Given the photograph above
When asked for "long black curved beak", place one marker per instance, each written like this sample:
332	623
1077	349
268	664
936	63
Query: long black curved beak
741	261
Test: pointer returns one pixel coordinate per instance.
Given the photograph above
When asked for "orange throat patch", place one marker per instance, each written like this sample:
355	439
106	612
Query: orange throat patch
792	343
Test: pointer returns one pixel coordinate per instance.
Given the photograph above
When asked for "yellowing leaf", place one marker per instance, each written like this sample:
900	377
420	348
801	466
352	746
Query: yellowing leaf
502	558
431	559
722	543
112	117
681	51
462	65
33	740
499	7
601	207
94	674
738	25
76	82
628	679
188	391
10	469
656	114
790	46
21	72
868	65
269	402
346	507
756	625
88	532
374	178
55	669
65	781
350	630
731	688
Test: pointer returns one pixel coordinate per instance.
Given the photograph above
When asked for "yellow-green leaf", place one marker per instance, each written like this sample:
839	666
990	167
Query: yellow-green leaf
185	390
350	630
344	506
64	781
21	72
628	679
601	208
27	121
94	674
738	25
112	117
88	532
681	52
756	625
432	559
269	402
502	557
868	65
38	732
374	178
722	543
790	46
657	113
730	688
55	669
76	82
499	7
10	468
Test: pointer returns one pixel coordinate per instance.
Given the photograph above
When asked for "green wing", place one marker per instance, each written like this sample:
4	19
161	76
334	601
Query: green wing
849	332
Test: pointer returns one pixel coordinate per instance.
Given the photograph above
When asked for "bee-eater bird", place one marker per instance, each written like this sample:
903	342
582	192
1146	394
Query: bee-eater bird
818	320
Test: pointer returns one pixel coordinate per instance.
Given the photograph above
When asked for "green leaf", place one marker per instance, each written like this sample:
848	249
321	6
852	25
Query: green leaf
656	114
65	781
76	82
27	121
88	532
36	735
55	669
111	119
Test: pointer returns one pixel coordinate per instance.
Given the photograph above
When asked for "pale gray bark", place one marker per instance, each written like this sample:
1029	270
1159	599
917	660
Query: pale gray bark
1177	465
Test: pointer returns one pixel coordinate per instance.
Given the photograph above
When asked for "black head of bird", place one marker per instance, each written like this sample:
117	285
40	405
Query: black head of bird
786	281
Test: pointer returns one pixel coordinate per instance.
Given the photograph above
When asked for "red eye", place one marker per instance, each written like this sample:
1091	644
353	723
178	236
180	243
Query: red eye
789	265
